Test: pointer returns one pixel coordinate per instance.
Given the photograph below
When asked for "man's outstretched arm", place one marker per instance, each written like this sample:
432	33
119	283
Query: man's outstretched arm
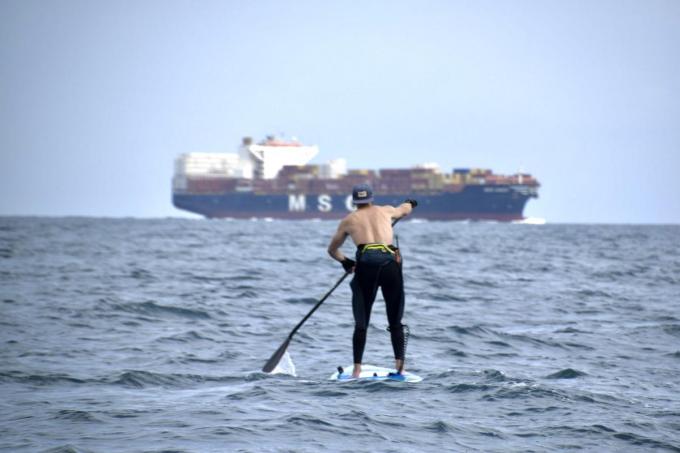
403	209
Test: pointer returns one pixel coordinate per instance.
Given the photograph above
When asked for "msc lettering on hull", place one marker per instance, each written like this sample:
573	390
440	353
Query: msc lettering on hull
296	203
324	203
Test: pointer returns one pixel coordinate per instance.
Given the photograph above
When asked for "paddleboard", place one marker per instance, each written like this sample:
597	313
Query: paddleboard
373	373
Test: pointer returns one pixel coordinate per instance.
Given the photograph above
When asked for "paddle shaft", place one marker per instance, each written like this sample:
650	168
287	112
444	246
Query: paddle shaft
318	304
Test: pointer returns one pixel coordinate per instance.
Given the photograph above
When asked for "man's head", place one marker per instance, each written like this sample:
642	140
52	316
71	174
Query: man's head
362	194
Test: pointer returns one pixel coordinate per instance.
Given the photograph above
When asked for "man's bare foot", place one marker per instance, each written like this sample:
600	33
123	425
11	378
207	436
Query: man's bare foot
356	371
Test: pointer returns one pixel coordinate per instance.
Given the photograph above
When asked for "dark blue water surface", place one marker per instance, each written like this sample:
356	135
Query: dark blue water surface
149	335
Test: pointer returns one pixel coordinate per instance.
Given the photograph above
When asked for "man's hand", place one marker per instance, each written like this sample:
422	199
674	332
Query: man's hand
412	202
348	265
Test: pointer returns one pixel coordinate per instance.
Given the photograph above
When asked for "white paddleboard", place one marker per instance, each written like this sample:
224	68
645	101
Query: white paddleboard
374	373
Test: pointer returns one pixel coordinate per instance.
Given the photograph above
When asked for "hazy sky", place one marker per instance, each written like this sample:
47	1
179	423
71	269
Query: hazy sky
98	98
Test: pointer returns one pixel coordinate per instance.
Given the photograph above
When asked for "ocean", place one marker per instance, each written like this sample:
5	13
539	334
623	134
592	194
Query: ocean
133	335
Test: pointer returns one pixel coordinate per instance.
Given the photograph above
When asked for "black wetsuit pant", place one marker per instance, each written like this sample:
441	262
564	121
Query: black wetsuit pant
377	269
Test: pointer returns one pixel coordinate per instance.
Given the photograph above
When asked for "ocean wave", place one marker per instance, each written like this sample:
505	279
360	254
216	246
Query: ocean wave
495	355
151	308
239	431
523	391
523	338
501	344
440	426
330	393
672	329
360	417
568	373
77	416
570	330
250	293
506	340
444	375
466	388
39	379
66	449
615	275
629	438
301	300
129	413
454	352
571	344
309	420
495	376
472	282
141	274
442	297
541	409
476	331
592	293
143	379
247	393
186	337
385	386
188	359
645	441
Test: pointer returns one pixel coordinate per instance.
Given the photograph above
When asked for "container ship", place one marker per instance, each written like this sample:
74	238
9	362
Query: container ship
274	179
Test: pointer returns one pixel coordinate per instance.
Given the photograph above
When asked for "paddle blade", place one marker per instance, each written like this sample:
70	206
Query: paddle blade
276	357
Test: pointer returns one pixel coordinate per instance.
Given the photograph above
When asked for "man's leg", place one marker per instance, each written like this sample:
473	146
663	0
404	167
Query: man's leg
363	296
392	285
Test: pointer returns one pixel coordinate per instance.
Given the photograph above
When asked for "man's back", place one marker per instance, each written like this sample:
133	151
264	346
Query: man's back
370	225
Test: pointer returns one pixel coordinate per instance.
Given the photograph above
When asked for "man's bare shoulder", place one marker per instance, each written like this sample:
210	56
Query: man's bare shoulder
349	220
389	210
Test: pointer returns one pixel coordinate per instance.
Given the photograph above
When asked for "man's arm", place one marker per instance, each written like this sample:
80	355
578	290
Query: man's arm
400	211
336	242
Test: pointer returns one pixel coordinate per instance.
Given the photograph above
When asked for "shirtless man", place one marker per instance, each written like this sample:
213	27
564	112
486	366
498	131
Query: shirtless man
378	264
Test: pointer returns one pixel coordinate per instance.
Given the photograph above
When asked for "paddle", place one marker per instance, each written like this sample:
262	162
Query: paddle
276	357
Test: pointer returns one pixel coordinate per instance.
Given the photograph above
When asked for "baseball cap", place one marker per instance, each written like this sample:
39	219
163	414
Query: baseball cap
362	194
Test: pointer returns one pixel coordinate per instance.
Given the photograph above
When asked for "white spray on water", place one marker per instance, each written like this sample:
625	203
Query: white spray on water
285	366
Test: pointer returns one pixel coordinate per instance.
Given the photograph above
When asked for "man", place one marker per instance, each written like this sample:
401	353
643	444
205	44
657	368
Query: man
378	264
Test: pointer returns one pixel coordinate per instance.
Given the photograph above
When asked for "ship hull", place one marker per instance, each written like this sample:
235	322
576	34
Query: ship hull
500	203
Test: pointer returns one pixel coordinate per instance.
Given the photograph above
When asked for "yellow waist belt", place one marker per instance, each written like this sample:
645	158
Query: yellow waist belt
380	247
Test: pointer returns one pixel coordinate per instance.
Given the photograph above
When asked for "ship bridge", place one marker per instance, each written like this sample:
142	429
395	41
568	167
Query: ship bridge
264	159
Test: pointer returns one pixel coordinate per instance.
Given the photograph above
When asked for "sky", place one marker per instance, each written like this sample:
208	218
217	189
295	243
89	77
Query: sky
97	98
